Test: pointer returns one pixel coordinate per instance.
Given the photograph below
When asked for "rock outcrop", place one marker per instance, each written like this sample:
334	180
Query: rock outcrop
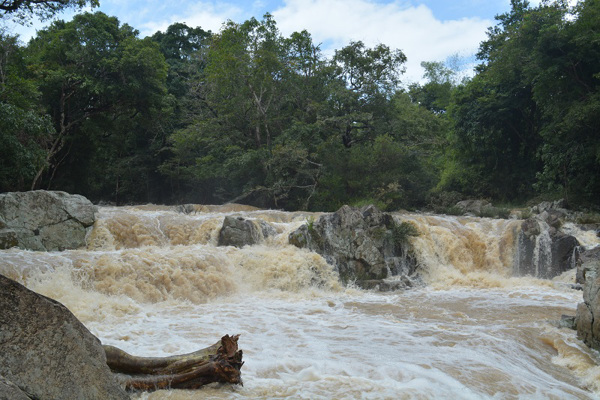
364	245
588	312
240	232
47	352
10	391
543	250
473	207
44	220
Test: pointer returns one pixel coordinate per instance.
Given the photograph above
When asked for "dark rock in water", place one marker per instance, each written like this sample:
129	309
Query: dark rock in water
10	391
588	312
543	250
240	232
47	352
585	256
567	321
390	285
362	244
44	220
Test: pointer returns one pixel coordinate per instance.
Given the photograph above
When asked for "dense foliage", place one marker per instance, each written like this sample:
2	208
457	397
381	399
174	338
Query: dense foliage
251	116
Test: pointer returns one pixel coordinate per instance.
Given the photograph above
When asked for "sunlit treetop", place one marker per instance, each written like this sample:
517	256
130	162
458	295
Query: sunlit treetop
22	11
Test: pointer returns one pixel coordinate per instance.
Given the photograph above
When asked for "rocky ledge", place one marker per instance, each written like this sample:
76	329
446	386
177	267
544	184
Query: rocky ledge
588	312
47	353
365	245
44	220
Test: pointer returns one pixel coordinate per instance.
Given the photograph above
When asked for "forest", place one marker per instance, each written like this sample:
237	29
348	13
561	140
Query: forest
248	115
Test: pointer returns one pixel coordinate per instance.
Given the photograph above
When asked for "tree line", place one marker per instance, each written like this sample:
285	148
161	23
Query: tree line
249	115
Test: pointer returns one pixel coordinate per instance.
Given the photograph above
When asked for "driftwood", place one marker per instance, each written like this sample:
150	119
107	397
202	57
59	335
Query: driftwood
220	362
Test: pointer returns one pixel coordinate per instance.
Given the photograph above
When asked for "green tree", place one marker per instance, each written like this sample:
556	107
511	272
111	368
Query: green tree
255	95
565	70
495	137
96	78
435	95
24	129
22	10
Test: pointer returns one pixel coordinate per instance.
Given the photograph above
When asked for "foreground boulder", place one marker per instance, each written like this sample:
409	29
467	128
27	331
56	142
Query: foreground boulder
364	245
588	312
47	353
44	220
10	391
240	232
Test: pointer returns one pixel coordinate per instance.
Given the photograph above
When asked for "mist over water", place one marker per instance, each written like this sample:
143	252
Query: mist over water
153	282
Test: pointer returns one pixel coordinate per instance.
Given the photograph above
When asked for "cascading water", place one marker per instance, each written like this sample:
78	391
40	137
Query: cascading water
154	283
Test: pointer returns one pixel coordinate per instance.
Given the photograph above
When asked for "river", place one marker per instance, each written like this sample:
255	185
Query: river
153	282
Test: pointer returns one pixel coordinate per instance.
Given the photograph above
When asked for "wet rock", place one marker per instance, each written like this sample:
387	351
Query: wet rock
240	232
543	250
10	391
585	257
47	352
558	205
588	312
474	207
390	285
44	220
362	244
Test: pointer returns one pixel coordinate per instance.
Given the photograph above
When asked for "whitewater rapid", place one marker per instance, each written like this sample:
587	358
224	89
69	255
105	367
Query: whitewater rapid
153	282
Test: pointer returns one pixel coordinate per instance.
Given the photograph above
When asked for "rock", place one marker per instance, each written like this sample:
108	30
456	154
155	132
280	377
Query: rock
362	244
44	220
588	312
474	207
10	391
543	251
568	321
47	352
240	232
558	205
585	257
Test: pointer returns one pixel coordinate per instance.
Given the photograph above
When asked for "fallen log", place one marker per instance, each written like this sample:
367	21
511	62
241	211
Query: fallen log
220	362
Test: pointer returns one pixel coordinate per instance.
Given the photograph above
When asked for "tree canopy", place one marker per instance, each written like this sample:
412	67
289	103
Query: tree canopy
247	114
22	10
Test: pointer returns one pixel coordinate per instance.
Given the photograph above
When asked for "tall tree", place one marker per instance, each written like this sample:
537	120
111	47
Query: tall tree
24	129
96	77
22	10
496	120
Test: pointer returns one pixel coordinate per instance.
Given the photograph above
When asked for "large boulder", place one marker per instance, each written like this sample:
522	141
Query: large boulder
364	245
543	250
240	232
588	312
473	207
10	391
47	352
44	220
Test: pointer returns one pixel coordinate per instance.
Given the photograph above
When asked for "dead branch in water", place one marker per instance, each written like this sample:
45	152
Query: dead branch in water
220	362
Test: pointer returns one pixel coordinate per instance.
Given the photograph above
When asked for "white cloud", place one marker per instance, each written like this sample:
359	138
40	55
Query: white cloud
412	29
207	15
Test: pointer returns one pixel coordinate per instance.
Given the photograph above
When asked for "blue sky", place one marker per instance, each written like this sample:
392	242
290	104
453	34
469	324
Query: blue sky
425	30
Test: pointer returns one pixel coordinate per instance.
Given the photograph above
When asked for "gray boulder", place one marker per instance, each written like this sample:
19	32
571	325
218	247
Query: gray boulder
47	352
364	245
10	391
240	232
543	251
474	207
44	220
585	256
588	312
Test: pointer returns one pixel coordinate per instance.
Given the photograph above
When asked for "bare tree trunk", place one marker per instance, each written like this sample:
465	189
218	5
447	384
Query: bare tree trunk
220	362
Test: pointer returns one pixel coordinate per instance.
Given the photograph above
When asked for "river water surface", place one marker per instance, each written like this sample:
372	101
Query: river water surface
153	282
